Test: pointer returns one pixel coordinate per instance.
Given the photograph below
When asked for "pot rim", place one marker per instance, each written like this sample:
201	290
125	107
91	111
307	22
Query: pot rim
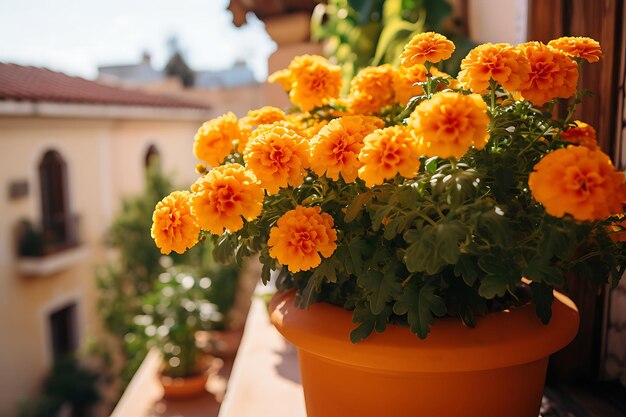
500	339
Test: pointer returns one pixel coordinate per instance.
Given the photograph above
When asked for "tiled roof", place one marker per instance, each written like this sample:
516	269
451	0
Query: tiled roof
25	83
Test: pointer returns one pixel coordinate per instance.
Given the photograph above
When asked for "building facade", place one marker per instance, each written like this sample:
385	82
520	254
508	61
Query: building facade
70	149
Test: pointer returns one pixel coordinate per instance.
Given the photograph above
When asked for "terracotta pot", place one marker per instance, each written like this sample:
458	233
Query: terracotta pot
184	388
495	370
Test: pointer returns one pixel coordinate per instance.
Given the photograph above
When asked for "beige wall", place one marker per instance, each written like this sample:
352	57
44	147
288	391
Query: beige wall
105	160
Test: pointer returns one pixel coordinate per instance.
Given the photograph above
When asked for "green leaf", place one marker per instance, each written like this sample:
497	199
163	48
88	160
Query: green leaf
447	237
436	13
354	208
358	249
391	31
539	270
467	269
381	288
327	270
495	228
557	241
542	297
421	305
420	255
368	322
501	275
431	164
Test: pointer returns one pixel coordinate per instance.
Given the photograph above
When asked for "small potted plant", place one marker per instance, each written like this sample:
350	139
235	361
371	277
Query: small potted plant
172	315
426	219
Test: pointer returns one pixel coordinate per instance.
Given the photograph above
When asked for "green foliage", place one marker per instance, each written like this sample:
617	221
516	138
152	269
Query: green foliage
457	239
126	283
67	384
359	33
172	314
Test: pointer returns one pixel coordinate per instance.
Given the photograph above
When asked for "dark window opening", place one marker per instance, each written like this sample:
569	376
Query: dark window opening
153	158
58	227
63	332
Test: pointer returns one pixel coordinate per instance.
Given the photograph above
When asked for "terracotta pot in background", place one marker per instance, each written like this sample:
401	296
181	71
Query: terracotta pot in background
184	388
497	369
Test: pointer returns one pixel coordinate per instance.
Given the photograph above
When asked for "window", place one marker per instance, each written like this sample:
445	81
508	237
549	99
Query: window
152	157
63	331
57	225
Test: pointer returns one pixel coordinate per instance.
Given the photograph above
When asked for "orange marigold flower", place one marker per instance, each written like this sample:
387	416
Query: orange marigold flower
578	47
174	227
428	46
371	89
504	63
311	81
214	140
335	149
387	152
583	134
404	83
278	156
282	77
301	236
312	130
450	123
226	194
579	181
265	116
552	74
245	131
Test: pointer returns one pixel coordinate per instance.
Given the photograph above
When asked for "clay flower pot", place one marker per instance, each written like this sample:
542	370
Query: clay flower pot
192	386
497	369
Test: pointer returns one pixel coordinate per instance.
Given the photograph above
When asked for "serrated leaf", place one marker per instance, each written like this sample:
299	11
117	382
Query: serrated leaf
420	303
358	249
542	297
327	270
466	269
368	322
496	228
539	270
354	208
447	237
381	287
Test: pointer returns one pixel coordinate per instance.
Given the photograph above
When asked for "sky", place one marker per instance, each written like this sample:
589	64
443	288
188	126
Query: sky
75	36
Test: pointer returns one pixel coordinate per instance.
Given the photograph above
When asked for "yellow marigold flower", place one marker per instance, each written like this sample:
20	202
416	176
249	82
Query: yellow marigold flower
214	140
450	123
301	236
371	89
174	227
504	63
315	127
578	181
311	81
335	149
583	134
428	46
226	194
578	47
245	131
387	152
265	116
278	156
552	74
282	77
404	83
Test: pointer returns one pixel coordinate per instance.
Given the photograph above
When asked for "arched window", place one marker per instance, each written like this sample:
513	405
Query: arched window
152	157
56	225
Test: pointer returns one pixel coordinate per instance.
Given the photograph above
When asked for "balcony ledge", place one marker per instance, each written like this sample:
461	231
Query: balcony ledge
51	264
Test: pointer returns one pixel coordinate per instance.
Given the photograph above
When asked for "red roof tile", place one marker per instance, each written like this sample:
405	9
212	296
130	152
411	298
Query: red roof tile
25	83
